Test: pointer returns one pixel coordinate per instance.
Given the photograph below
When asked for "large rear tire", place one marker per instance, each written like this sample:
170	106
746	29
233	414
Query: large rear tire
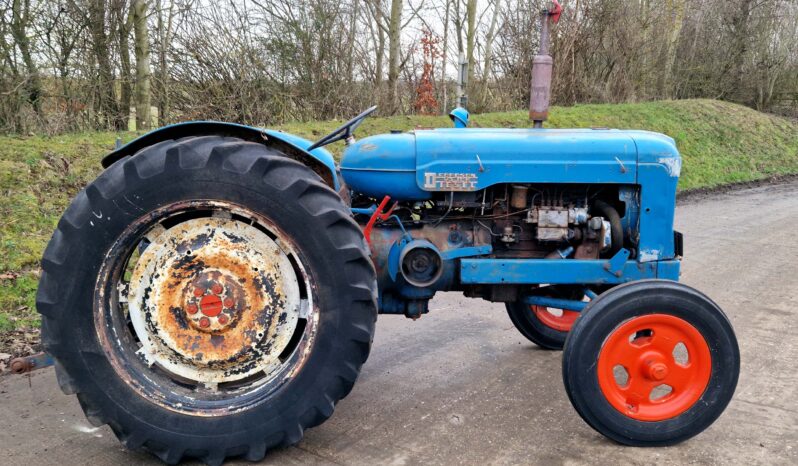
207	297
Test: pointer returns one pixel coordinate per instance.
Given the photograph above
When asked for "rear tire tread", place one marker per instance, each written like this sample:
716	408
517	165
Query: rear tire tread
193	153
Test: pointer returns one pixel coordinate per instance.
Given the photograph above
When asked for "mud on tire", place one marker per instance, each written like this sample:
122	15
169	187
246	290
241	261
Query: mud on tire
90	340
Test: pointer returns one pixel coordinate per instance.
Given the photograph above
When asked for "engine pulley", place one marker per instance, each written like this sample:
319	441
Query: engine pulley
420	263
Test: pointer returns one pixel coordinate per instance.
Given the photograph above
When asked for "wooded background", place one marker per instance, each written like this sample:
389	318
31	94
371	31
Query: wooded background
73	65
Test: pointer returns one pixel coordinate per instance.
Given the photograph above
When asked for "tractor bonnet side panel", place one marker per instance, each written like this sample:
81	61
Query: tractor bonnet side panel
473	159
383	165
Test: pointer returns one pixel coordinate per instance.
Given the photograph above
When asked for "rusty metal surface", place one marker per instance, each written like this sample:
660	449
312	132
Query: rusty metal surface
518	200
540	89
213	300
540	86
156	383
445	237
30	363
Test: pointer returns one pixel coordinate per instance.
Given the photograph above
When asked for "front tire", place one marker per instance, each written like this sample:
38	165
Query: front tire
544	326
207	298
651	363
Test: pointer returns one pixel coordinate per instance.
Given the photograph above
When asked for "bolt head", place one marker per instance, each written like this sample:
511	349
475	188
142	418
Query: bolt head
199	291
192	309
657	371
205	322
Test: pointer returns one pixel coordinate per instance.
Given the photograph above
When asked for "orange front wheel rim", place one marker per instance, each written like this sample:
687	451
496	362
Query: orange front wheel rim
654	367
560	322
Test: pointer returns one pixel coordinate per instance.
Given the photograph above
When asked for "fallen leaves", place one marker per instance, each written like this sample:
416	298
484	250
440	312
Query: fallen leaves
9	276
18	343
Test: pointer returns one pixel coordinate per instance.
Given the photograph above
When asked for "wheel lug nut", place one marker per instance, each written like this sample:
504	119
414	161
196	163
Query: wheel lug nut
657	371
192	309
204	322
228	302
222	319
198	292
217	289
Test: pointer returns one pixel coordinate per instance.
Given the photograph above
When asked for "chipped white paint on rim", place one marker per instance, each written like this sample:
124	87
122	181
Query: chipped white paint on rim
257	251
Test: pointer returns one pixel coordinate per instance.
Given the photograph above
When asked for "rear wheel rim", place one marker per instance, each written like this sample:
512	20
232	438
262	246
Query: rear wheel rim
560	320
642	374
211	310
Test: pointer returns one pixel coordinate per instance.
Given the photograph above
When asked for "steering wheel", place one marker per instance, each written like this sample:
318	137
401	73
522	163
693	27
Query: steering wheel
344	131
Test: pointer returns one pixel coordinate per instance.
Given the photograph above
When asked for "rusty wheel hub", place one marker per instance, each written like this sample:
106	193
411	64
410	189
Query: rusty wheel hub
214	300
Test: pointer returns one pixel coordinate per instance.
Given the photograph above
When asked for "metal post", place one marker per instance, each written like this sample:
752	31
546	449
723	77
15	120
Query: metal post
462	81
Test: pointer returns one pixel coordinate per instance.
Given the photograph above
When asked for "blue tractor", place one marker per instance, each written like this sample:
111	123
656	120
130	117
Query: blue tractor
214	292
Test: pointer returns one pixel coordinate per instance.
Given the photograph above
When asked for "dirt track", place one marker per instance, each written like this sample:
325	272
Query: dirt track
462	386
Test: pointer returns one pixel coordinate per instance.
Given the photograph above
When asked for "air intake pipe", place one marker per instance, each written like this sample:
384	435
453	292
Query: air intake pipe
540	88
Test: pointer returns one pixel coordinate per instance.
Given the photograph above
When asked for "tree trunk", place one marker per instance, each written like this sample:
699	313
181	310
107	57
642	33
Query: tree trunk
108	107
489	38
739	47
125	22
380	52
164	42
350	59
142	40
394	51
20	13
675	10
443	87
471	17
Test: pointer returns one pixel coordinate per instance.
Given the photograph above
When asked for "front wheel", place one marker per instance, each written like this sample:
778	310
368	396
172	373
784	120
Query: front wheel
545	326
651	363
207	298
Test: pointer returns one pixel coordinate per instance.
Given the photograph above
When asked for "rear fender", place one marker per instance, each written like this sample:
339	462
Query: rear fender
319	160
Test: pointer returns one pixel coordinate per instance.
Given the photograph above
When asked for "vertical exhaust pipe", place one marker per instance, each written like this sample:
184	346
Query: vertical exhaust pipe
540	88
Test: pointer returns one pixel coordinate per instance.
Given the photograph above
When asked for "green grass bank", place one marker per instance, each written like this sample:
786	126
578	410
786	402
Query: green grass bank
720	143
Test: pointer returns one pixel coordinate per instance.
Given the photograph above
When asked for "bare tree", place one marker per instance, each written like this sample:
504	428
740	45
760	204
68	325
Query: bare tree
139	10
109	114
487	58
122	18
20	22
69	64
394	52
471	37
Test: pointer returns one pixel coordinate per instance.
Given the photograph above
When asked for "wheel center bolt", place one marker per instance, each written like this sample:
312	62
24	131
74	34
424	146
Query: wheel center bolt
212	306
656	371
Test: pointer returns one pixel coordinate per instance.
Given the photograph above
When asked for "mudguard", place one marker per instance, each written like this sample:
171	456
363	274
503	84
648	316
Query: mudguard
319	160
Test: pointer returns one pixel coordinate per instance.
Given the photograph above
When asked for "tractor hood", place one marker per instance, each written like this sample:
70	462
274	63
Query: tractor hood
411	166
